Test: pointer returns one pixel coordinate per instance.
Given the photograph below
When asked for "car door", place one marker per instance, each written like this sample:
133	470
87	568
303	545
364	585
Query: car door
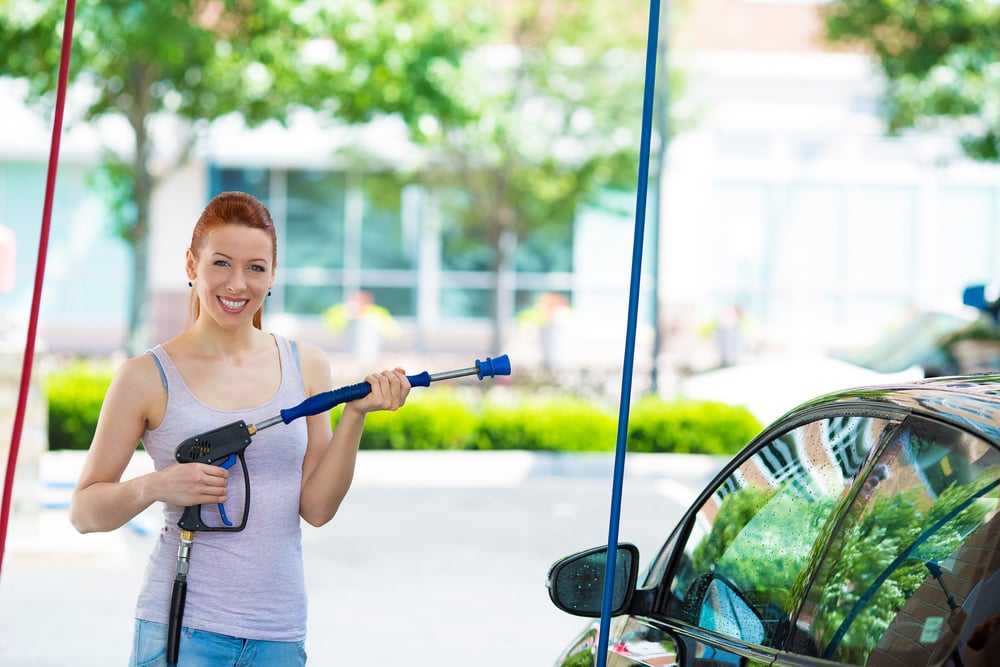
865	538
635	642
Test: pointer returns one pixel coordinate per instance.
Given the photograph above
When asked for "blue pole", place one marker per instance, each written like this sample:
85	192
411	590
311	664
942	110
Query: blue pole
633	316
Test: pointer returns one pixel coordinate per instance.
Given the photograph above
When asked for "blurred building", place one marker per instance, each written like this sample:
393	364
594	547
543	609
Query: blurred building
784	199
789	200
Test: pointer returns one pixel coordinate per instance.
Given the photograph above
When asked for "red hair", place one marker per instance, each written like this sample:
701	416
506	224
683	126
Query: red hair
232	208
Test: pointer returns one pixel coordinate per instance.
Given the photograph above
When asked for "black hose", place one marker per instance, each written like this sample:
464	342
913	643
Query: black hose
177	597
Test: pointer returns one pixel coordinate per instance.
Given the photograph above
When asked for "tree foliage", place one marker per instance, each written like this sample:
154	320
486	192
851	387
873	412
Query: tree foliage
195	61
940	60
527	107
556	102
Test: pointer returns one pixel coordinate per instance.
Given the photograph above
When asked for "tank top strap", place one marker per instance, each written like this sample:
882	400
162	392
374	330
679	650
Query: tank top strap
288	353
165	365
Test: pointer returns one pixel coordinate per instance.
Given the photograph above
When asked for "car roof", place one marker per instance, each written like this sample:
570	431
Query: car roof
969	401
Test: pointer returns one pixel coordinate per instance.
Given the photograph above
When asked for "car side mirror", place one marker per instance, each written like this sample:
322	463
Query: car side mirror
576	583
722	608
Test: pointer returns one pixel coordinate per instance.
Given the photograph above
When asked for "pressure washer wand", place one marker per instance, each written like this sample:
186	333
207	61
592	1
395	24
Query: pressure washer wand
328	399
222	446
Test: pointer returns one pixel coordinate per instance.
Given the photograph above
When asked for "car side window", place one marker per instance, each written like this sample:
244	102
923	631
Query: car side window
751	541
911	575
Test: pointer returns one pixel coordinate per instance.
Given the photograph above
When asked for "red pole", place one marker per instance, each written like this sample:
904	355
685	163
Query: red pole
43	244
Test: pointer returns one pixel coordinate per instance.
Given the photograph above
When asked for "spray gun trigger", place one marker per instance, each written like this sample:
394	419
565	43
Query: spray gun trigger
228	463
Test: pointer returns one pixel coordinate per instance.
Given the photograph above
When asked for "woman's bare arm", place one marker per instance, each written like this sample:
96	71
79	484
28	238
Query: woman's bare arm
101	501
328	467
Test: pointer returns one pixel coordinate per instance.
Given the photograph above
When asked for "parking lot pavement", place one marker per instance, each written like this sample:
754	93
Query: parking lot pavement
437	558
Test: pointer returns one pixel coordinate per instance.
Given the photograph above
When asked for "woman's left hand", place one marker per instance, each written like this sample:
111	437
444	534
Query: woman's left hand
389	392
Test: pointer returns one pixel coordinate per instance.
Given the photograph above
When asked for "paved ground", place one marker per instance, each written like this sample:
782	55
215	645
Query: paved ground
435	559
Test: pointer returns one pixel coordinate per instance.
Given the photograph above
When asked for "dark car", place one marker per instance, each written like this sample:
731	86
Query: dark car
862	528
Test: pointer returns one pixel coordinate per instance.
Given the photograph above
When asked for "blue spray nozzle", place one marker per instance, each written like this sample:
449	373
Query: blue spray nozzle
493	367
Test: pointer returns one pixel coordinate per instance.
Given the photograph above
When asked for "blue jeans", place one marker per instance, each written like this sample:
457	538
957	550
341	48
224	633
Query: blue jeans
208	649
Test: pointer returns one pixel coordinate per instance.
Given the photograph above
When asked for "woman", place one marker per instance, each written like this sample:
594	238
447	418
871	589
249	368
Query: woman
246	601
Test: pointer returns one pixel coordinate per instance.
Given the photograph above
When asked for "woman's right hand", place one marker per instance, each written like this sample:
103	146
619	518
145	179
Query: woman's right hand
188	484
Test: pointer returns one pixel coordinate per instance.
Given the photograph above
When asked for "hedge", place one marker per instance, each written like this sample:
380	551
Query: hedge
436	419
75	394
561	424
550	424
690	427
441	419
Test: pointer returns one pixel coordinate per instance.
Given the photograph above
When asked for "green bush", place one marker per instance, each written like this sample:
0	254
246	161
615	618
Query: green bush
441	419
436	419
75	394
550	424
690	427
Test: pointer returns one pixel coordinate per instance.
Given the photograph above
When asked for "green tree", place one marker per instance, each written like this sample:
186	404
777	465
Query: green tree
194	61
556	104
939	58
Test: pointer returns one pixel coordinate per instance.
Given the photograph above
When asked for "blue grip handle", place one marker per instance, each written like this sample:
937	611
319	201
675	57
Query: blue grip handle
328	399
323	402
420	379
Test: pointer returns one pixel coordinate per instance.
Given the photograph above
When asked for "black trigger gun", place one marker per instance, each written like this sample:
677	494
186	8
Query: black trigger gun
222	447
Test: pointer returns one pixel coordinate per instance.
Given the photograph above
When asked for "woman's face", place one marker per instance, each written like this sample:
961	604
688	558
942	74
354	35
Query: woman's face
232	273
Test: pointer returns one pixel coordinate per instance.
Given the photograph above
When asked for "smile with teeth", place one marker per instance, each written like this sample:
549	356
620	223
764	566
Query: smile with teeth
233	304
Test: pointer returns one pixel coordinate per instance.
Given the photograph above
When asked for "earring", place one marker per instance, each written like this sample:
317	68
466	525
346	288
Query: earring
269	292
190	284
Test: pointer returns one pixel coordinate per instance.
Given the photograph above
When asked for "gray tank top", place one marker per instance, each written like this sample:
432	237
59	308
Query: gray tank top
247	584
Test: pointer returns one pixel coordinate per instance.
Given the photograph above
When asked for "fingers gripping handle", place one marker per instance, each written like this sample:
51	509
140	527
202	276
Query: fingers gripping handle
222	447
191	518
328	399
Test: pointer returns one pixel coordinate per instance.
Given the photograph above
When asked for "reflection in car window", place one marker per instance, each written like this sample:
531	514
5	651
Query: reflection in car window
912	571
757	530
